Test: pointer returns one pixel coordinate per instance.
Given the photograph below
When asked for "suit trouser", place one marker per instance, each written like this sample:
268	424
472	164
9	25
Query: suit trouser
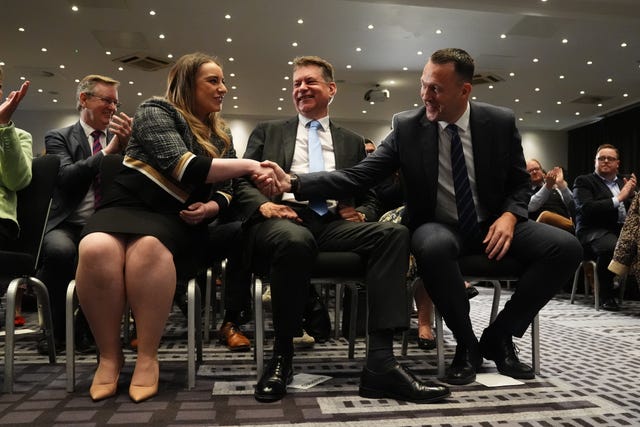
290	250
549	257
603	248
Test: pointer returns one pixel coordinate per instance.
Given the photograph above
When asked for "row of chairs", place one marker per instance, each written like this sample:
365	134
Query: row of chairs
342	269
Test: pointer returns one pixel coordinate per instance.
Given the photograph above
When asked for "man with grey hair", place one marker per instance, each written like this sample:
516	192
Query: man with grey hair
81	147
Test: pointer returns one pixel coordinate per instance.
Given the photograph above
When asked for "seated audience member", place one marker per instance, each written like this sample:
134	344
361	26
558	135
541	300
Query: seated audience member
81	147
551	199
453	209
16	153
625	256
602	199
152	224
287	235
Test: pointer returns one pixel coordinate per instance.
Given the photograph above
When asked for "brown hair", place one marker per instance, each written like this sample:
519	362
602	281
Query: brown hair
463	62
603	146
181	88
327	68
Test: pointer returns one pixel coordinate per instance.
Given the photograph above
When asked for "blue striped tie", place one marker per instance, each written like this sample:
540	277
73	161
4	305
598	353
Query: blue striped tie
467	217
316	164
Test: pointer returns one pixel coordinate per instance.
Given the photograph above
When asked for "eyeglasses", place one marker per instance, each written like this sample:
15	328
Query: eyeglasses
107	101
603	159
533	170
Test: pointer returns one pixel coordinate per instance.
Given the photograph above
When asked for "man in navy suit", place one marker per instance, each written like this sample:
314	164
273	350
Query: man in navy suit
420	146
602	199
74	196
286	236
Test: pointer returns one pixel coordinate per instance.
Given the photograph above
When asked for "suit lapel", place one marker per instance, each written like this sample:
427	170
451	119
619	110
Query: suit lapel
338	146
80	140
481	144
289	141
428	143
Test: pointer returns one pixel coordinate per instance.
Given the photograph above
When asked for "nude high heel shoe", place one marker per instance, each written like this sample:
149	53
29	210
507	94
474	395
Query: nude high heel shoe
140	393
105	390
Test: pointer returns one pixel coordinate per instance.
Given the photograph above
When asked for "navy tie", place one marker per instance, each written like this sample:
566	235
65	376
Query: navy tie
316	164
97	147
467	217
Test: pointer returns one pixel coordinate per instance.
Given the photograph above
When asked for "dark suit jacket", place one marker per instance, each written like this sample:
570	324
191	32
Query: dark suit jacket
78	167
595	214
276	140
412	146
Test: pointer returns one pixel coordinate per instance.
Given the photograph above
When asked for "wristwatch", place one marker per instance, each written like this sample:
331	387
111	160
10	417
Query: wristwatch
295	182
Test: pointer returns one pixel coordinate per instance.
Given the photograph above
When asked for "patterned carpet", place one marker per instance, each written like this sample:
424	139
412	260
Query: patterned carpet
590	377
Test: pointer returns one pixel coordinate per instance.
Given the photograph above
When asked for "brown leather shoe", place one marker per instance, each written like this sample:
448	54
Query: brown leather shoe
233	338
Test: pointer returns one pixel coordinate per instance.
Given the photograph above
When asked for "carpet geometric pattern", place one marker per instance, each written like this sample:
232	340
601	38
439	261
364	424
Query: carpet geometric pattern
590	376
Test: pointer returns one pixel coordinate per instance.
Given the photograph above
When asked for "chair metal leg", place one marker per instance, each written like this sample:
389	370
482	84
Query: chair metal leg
209	308
10	328
193	331
336	312
353	319
70	305
575	281
439	342
259	325
535	344
596	285
495	305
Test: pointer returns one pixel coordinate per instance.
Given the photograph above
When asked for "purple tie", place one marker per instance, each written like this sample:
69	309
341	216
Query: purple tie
97	147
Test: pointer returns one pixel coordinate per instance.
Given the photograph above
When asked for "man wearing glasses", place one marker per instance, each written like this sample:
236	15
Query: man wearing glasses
602	199
81	147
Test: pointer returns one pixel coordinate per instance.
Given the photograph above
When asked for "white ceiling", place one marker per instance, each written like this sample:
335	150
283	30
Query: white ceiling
262	33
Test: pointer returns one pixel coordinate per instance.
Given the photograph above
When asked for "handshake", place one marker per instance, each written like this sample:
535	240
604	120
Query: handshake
270	179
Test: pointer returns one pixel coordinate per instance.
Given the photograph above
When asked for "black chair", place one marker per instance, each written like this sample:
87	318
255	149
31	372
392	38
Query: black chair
330	268
109	167
21	262
478	268
587	264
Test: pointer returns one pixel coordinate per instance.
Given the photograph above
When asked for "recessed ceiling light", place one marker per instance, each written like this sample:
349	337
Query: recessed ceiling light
235	106
419	52
227	16
284	89
537	89
370	26
582	92
490	86
358	49
77	80
405	68
516	100
229	39
348	66
415	105
609	80
161	36
108	52
364	111
279	108
538	111
600	104
54	100
300	21
561	76
286	77
294	44
152	12
21	29
170	56
623	44
577	113
231	59
40	90
74	8
536	60
589	62
280	99
290	62
62	66
503	36
372	103
557	121
130	82
625	95
392	82
139	93
44	49
474	98
234	98
232	74
559	102
520	119
23	78
438	31
234	87
565	41
120	68
512	74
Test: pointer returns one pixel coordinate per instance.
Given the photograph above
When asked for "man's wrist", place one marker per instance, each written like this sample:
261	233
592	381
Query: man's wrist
294	182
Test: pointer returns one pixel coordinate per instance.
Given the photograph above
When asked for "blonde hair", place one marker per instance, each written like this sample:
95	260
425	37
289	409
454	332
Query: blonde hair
181	88
88	83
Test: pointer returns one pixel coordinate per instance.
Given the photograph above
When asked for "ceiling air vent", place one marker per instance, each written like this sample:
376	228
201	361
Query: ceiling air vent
486	78
591	99
143	62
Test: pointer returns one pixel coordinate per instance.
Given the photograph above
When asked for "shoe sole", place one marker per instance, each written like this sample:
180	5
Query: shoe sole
464	381
369	393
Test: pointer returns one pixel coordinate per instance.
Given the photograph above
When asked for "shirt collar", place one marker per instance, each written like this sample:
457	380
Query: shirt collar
462	123
88	129
324	122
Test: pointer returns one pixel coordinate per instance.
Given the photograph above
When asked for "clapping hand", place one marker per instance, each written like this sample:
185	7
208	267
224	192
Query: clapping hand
629	188
121	126
11	103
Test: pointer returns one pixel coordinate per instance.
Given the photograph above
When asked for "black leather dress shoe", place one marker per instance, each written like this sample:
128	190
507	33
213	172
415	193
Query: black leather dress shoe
273	384
610	304
463	368
400	384
427	343
503	352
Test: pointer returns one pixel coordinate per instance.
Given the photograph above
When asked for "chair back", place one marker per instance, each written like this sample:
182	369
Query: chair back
34	202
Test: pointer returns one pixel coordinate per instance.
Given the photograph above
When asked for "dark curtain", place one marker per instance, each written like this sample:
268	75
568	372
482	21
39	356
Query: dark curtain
621	130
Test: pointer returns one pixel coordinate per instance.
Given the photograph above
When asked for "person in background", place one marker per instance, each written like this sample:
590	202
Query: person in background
466	189
551	198
16	153
287	235
602	200
101	130
152	224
